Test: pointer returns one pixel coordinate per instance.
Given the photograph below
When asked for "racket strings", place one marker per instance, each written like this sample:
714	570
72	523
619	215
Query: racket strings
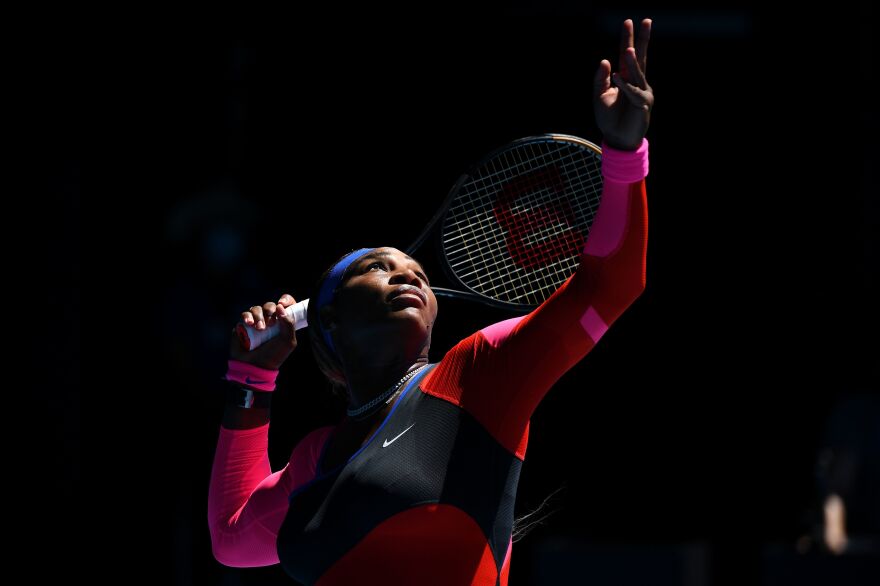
535	189
516	229
461	220
466	211
537	234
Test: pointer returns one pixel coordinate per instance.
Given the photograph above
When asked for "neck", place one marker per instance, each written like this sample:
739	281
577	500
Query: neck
367	383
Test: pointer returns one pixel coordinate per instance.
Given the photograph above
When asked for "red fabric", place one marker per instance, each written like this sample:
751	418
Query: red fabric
452	550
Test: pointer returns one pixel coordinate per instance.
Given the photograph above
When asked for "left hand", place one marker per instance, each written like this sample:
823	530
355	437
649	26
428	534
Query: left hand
623	110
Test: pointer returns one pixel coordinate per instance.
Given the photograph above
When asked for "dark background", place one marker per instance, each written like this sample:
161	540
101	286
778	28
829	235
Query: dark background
686	442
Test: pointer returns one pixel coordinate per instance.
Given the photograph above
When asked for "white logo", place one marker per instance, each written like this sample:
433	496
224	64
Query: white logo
387	443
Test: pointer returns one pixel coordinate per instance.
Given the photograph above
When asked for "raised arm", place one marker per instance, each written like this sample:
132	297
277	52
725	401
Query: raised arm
501	373
246	501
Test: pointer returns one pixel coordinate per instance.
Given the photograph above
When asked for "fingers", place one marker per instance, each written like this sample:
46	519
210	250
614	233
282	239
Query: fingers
286	321
626	41
641	48
638	97
642	44
268	312
636	75
259	316
287	324
602	79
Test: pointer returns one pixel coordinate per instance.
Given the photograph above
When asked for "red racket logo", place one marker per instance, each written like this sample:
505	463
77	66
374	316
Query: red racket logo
545	233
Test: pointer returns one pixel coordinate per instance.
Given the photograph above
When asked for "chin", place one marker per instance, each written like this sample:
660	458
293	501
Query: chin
413	318
413	323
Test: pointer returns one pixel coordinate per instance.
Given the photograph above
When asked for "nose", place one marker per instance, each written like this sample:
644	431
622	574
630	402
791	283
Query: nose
405	276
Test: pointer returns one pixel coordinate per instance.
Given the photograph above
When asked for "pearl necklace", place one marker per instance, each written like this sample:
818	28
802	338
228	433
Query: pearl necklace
393	391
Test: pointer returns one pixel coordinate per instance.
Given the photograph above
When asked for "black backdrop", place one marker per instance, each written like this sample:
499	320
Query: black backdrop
254	159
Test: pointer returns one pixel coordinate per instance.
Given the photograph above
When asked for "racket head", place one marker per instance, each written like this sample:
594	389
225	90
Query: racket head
512	229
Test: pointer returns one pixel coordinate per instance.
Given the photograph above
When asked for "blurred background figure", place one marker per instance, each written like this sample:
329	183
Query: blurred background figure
842	542
847	518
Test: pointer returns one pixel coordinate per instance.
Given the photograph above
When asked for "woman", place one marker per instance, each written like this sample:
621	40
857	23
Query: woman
417	484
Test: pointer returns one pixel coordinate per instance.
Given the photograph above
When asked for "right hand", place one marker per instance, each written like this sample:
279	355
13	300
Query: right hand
623	108
272	354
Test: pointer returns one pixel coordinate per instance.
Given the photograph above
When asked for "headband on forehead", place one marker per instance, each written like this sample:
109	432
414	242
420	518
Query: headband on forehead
328	287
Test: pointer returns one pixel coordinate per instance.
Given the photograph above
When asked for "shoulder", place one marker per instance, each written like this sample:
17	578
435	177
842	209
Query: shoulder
479	343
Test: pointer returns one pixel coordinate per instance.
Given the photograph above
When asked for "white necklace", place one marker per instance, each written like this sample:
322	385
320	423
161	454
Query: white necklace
393	391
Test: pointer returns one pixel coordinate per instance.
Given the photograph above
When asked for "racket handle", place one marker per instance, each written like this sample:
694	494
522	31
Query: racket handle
251	338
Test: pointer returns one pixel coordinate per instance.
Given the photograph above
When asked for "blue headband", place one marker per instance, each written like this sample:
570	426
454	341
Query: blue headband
328	287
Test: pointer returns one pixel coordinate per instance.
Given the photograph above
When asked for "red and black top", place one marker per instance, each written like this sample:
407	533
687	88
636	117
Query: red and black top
429	498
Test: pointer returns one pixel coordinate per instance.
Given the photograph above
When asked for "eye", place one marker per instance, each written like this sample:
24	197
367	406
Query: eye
377	263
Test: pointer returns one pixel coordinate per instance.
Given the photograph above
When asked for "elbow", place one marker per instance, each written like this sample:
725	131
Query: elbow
227	555
635	288
638	287
235	549
230	560
631	297
629	293
221	557
643	276
222	546
219	549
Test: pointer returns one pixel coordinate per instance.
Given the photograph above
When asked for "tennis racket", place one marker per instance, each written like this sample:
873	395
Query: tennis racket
512	228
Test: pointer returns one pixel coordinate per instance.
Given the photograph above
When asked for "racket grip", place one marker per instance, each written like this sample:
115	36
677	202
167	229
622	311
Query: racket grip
251	338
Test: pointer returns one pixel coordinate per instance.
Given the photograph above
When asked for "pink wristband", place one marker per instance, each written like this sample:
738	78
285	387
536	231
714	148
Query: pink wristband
255	377
625	166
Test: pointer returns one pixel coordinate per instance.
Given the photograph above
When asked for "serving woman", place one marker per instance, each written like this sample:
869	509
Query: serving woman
417	483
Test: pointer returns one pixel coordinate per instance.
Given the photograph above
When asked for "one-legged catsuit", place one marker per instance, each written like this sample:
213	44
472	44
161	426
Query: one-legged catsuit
429	499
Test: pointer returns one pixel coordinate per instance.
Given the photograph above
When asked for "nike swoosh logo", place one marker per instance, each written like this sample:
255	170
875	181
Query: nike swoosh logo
387	443
248	380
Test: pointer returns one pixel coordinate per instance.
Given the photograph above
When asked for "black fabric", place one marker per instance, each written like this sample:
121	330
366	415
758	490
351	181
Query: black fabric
445	456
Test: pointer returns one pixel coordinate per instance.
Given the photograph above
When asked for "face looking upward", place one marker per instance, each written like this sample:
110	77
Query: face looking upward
385	299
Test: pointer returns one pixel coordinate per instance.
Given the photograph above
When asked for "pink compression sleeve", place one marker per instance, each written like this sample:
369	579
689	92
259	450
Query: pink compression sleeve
247	502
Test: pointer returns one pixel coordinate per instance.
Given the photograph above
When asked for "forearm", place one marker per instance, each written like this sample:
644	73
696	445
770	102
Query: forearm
241	461
615	256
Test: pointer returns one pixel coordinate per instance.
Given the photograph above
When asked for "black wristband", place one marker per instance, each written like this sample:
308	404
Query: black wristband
241	396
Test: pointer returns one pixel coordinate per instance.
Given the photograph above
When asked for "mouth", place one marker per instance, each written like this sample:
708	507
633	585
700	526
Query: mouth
409	292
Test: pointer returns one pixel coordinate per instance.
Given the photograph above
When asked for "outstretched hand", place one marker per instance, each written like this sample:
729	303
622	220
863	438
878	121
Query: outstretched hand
623	101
